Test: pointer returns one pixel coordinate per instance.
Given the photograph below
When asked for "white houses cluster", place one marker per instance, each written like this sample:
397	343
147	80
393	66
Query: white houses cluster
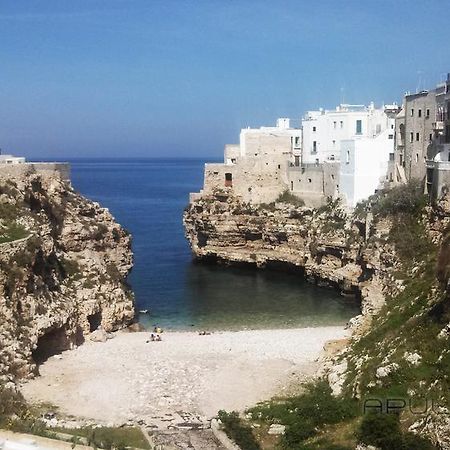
348	152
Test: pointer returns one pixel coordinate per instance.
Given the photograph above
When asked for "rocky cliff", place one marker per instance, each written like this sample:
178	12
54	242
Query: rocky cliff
63	264
392	251
325	244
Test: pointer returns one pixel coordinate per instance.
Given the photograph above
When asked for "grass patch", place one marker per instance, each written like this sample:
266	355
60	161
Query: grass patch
304	414
13	232
110	437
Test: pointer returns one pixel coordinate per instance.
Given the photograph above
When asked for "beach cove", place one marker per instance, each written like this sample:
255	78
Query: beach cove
130	380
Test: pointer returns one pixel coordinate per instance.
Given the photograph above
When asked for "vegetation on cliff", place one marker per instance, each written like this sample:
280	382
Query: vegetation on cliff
400	348
63	263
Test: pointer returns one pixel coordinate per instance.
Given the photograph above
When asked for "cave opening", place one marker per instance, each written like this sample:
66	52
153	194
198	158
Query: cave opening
95	320
52	343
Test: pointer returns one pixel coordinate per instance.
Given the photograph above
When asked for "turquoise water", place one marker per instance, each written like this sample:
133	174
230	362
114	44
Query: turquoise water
148	197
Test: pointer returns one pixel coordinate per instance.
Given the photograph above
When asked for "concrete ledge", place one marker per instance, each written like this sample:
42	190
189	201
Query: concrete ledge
21	441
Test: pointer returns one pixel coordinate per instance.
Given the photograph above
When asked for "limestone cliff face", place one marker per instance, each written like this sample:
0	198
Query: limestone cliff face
63	263
325	244
397	258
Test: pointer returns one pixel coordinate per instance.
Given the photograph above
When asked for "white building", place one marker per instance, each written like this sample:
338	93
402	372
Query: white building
323	130
10	159
360	137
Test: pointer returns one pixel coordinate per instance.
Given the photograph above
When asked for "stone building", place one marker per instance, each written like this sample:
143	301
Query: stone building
256	168
438	154
422	141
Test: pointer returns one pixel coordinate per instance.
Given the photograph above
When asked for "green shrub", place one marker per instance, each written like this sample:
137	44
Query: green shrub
381	430
304	413
414	442
404	199
11	402
288	197
239	432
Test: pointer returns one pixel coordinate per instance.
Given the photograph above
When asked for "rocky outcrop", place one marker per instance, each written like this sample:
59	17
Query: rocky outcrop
397	257
61	281
325	245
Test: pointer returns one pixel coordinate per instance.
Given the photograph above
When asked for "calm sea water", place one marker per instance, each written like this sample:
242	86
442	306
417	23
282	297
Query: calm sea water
148	197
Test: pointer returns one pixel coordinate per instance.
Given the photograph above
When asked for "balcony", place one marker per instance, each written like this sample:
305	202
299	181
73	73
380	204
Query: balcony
438	126
438	165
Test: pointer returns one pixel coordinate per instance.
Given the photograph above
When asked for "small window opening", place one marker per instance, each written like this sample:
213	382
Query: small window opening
228	180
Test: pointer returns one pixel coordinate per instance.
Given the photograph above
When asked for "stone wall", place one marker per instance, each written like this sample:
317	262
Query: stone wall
253	179
60	170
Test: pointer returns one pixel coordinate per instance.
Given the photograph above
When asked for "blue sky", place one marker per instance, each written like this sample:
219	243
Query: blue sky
181	77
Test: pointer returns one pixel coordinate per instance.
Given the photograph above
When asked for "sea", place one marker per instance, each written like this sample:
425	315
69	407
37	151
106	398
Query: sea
148	197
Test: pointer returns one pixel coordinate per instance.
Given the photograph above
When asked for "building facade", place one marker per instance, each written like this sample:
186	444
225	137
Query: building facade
256	169
438	155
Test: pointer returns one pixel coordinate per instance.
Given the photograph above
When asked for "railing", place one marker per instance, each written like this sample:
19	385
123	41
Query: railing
440	165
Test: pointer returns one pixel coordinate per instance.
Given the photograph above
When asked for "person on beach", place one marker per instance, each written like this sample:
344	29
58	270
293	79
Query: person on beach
152	338
158	338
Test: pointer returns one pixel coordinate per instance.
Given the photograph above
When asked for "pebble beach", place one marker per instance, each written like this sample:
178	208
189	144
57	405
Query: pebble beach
186	376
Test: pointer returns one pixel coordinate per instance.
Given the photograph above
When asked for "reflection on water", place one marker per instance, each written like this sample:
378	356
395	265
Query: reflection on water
148	197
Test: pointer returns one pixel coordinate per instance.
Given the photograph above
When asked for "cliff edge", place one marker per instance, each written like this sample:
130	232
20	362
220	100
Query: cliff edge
63	267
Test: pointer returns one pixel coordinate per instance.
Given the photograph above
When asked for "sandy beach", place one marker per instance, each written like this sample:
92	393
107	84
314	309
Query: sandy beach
186	377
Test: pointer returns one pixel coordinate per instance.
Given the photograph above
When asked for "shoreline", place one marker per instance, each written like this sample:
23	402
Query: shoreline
185	377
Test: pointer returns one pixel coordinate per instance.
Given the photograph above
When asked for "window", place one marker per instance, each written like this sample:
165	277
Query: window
334	142
431	137
332	176
314	128
342	124
347	159
419	113
297	140
314	146
412	112
391	136
279	166
216	173
411	137
292	185
358	126
428	113
228	180
449	156
309	180
417	136
417	157
334	125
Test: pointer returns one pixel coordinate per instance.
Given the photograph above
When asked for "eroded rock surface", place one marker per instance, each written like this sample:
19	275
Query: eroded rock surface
65	279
